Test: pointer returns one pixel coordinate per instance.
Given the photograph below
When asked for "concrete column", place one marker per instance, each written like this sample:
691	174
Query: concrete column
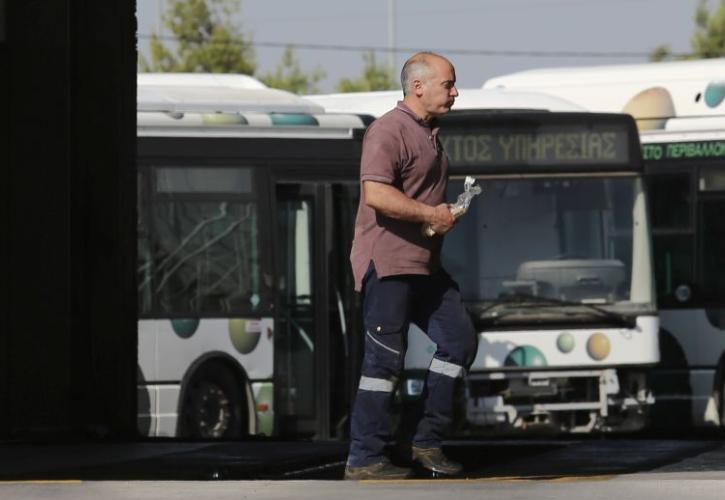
68	341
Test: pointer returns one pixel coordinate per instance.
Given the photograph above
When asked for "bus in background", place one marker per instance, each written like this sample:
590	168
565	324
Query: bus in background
246	310
680	113
553	261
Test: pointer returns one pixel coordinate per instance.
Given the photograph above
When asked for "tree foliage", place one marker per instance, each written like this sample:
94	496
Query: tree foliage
375	76
660	53
290	76
708	39
205	40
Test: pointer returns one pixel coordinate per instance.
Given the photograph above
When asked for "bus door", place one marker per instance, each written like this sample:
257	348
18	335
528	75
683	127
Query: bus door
711	207
317	308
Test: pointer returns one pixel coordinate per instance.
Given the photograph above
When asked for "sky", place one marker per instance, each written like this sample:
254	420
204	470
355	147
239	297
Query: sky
501	36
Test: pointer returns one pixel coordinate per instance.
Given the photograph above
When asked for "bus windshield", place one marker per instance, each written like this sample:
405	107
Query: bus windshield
579	240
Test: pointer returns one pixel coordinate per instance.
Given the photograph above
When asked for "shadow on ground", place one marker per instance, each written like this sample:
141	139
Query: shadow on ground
276	460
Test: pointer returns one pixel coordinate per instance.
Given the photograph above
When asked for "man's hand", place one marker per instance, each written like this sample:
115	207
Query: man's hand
441	220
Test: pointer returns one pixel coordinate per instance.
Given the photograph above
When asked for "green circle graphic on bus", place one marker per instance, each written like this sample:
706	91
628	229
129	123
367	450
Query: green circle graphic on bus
715	93
525	355
565	342
185	328
244	334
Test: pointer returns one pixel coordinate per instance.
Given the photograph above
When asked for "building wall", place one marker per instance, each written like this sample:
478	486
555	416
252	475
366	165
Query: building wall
67	112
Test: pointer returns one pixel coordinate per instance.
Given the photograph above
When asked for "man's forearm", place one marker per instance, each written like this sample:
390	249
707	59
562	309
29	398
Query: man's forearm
389	201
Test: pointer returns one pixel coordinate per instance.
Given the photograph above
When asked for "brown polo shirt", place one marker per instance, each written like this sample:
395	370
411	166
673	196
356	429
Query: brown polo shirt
402	150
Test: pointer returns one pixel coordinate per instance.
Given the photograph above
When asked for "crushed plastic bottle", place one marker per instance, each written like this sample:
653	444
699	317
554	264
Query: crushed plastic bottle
461	205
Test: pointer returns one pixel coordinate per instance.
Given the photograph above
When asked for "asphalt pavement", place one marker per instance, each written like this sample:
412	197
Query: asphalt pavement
265	459
591	469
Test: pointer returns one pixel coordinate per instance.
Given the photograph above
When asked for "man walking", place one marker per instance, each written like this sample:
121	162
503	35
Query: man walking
404	174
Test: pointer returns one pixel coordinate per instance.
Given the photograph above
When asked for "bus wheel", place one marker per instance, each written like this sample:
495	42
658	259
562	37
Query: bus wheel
212	407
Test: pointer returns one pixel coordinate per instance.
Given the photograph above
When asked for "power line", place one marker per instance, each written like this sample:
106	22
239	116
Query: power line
408	50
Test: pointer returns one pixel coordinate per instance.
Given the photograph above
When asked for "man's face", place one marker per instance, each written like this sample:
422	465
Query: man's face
439	92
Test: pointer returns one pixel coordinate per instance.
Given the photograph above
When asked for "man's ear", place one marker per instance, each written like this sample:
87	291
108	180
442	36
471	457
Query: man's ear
418	87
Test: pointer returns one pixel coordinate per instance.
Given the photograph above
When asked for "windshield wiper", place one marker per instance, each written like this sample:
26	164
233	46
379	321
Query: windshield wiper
525	300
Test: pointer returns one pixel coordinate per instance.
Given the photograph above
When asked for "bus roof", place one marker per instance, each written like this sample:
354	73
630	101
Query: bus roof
378	103
665	95
223	93
224	105
621	73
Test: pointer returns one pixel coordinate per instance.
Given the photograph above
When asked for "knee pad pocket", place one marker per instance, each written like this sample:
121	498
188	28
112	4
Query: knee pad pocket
384	350
385	325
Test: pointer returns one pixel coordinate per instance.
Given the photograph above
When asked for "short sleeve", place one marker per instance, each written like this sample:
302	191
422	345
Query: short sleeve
380	160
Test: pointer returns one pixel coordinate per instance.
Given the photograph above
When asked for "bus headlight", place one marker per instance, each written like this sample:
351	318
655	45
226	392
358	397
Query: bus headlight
598	346
565	342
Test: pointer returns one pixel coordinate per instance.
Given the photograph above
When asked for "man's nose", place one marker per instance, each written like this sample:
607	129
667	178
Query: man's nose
454	91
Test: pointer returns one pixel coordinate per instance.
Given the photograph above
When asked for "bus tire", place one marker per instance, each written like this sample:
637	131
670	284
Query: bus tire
720	399
214	405
721	405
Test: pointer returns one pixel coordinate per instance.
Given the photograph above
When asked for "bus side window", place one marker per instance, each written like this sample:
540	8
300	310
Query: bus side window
204	245
671	202
143	249
671	209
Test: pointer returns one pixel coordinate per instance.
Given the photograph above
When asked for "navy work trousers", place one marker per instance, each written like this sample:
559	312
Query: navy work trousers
390	304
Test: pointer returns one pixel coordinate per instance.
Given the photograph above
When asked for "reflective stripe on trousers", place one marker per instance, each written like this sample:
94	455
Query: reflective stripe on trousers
389	306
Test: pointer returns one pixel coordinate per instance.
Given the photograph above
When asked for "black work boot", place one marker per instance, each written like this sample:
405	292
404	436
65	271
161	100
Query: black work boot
435	461
379	470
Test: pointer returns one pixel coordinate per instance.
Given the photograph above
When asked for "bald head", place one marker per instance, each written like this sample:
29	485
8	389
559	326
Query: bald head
419	67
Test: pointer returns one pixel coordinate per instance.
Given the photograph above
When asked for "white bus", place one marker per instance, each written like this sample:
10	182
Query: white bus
681	118
245	197
553	261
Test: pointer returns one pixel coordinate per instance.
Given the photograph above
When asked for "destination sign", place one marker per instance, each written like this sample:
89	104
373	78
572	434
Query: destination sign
683	150
551	147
